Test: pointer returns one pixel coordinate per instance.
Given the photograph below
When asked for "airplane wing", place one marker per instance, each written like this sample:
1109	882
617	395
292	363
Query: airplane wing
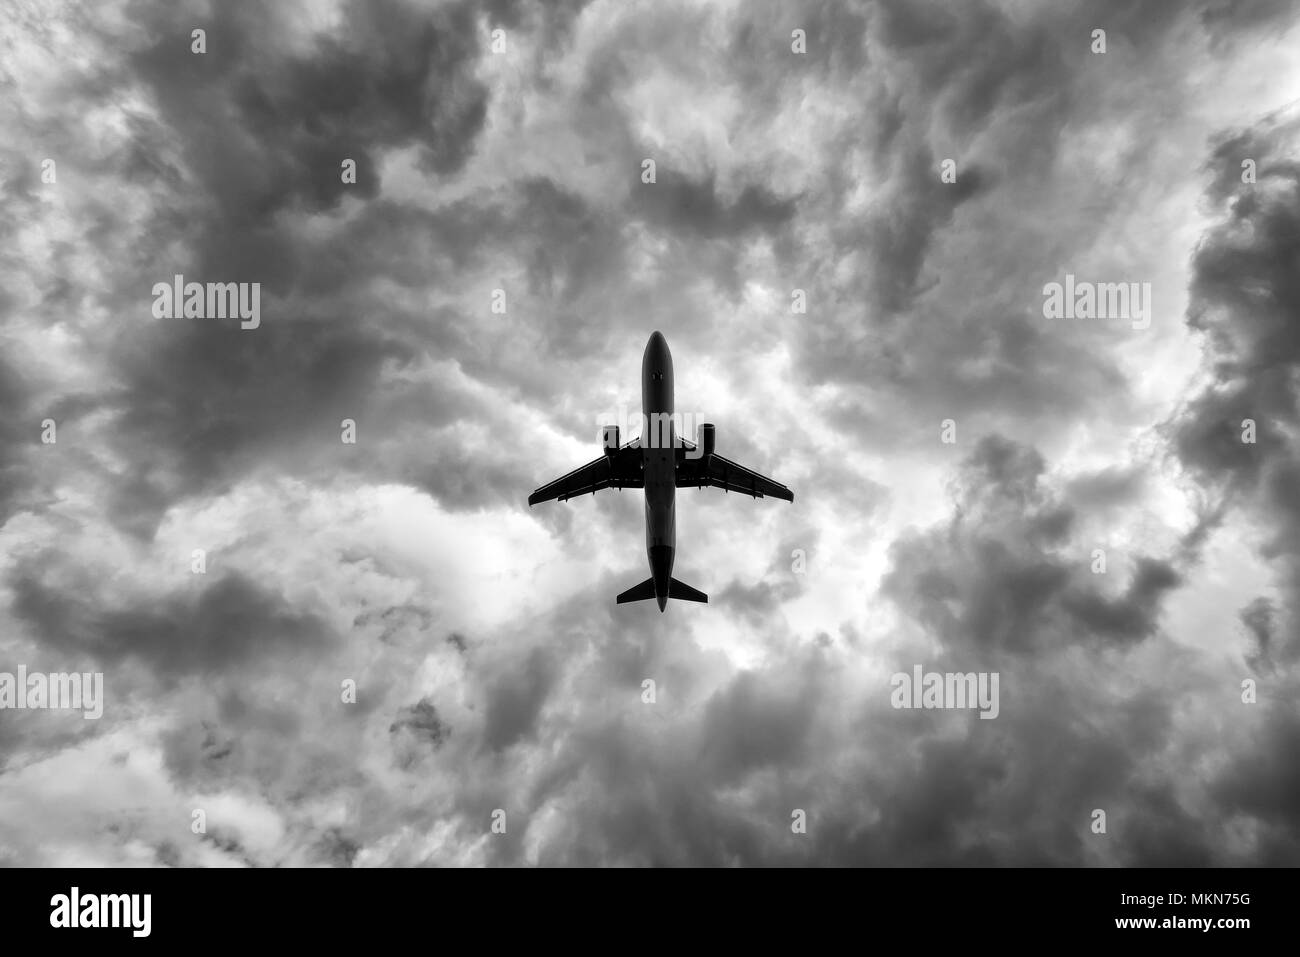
621	470
713	471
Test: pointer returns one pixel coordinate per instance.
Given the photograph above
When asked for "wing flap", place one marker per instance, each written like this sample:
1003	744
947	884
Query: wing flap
622	470
713	471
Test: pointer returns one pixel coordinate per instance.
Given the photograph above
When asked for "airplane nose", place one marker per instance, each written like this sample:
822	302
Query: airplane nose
656	350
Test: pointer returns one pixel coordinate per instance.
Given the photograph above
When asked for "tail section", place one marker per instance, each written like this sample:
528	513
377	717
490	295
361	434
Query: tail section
683	592
637	592
646	590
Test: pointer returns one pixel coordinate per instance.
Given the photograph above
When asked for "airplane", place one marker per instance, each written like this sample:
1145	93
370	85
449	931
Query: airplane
661	465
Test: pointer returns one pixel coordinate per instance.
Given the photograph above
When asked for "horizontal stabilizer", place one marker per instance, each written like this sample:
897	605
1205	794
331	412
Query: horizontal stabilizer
646	590
683	592
640	592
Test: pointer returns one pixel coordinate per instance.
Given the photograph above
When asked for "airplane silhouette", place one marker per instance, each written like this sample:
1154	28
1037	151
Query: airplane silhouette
660	461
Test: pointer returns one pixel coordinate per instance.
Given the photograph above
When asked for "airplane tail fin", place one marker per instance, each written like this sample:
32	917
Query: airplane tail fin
637	592
683	592
646	590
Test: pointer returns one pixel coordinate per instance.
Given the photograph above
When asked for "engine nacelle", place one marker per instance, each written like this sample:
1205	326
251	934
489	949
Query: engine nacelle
707	438
610	440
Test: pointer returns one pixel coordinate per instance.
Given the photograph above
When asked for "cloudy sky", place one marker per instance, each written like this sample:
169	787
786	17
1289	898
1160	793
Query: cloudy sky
493	670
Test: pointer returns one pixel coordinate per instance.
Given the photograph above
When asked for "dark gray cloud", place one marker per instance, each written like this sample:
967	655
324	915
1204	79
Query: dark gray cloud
210	629
1245	298
422	720
392	74
680	205
515	700
1005	574
19	432
1264	785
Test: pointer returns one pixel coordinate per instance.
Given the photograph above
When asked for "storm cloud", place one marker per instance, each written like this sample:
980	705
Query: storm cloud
372	652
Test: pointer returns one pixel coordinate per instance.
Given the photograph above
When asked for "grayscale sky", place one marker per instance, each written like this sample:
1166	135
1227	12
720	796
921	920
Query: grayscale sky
492	668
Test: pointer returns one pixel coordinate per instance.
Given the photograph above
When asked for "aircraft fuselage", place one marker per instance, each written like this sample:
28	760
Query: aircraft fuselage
659	463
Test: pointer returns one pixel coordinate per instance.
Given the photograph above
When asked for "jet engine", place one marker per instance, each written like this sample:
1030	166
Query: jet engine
707	437
610	440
